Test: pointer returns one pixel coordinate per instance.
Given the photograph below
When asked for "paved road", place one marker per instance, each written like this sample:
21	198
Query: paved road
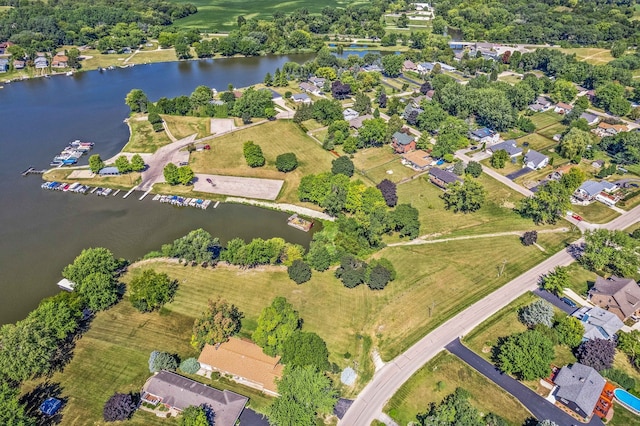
389	378
538	406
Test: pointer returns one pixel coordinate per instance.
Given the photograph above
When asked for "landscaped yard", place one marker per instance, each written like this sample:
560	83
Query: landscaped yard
422	388
552	130
544	119
537	142
181	127
275	138
143	138
595	212
580	279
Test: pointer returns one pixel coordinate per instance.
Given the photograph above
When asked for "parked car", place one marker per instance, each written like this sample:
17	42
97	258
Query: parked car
576	217
569	302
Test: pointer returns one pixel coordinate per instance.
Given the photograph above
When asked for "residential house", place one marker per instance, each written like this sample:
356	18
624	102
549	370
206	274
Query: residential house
126	50
4	65
562	108
442	178
216	102
535	160
356	123
245	362
425	67
403	143
510	146
40	62
592	119
301	98
417	101
310	88
317	81
581	90
349	114
606	129
446	67
429	94
620	296
410	109
3	47
541	104
372	68
597	164
409	66
19	64
537	108
591	189
177	393
579	388
418	160
598	323
60	61
484	135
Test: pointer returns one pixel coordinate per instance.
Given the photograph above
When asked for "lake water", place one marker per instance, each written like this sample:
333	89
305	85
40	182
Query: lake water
42	231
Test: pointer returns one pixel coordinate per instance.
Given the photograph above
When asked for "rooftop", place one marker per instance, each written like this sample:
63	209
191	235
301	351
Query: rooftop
483	133
403	138
443	175
592	187
535	157
509	146
580	384
419	157
598	323
624	292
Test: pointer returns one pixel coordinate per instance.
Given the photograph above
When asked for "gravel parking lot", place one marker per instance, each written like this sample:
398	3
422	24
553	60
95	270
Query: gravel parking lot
263	189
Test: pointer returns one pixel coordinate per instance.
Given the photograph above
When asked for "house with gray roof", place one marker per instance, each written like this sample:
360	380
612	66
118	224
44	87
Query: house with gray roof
579	388
442	178
357	122
40	62
310	88
484	135
177	393
598	323
535	160
592	119
317	81
590	189
109	171
4	65
301	98
349	114
620	296
510	146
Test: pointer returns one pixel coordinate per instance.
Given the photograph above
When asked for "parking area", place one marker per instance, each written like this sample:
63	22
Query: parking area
262	189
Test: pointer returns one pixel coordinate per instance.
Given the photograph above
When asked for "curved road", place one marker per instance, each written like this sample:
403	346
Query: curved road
387	380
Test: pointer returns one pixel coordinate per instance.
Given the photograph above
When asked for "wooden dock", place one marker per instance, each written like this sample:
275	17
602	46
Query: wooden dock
130	191
32	170
216	204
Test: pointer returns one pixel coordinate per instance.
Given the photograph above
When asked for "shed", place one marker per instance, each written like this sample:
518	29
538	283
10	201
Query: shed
109	171
50	406
65	284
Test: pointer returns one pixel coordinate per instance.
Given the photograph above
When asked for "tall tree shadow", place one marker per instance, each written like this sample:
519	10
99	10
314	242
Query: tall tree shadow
37	396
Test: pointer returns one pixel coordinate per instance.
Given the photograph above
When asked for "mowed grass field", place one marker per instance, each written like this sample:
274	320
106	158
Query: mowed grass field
421	389
181	127
143	138
592	55
275	138
222	16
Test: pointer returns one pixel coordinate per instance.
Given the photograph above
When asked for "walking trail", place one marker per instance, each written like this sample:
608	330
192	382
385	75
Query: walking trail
423	239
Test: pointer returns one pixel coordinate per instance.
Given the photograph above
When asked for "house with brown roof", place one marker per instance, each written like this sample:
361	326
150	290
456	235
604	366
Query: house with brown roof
245	362
357	122
417	160
562	108
606	129
176	393
618	295
60	61
403	142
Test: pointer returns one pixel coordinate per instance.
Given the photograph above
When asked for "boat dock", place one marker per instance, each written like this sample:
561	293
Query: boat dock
299	223
178	201
32	170
70	155
130	191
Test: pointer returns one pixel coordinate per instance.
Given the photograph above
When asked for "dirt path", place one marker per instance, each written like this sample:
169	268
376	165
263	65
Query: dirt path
423	239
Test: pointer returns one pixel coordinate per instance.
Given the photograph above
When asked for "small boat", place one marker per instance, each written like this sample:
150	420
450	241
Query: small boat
69	73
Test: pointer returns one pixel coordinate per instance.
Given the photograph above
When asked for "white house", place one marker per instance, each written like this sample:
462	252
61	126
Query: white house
598	323
484	135
535	160
349	114
592	119
301	98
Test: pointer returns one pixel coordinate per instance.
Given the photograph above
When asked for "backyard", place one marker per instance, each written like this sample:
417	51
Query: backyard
143	138
440	377
278	137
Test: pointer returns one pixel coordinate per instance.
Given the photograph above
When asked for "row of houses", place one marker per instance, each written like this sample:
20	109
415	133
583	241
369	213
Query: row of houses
60	60
425	67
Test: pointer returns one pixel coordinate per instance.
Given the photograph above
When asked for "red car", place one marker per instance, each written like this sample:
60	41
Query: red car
576	217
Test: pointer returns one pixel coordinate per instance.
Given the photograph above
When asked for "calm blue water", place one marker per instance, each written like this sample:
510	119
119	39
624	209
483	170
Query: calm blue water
42	231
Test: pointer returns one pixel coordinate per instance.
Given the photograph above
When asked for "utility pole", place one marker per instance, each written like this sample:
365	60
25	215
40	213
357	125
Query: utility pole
432	308
501	268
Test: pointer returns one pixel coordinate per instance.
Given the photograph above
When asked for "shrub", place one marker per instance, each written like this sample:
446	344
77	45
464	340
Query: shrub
162	361
342	165
151	290
597	353
538	312
474	169
253	154
299	271
620	377
529	238
157	127
190	366
286	162
154	118
119	407
388	190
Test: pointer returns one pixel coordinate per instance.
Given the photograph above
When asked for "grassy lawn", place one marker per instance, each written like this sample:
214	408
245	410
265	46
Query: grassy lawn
416	394
511	79
496	215
163	55
544	119
592	55
181	127
595	212
509	165
143	138
275	138
580	279
537	142
98	59
312	125
117	182
552	130
216	16
398	172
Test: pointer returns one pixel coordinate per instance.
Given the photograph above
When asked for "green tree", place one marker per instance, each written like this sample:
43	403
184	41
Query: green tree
574	143
253	154
194	416
185	175
200	97
95	163
92	260
556	280
137	163
474	169
12	412
276	323
189	366
26	351
464	197
569	331
137	100
404	219
455	409
327	111
499	158
151	290
319	257
372	133
526	355
362	103
123	165
159	360
629	344
547	205
538	312
99	290
611	251
563	91
170	173
286	162
217	323
305	348
342	165
304	393
618	48
299	271
392	65
452	135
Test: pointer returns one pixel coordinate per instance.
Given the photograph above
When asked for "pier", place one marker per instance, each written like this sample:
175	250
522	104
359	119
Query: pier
32	170
130	191
144	195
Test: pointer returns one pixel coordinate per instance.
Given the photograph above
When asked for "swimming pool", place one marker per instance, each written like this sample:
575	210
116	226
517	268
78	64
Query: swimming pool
629	401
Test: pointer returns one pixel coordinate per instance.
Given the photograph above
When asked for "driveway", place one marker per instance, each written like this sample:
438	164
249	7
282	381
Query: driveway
251	418
554	300
523	171
497	176
536	404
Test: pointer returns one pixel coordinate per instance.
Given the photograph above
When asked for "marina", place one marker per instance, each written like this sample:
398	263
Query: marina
175	200
72	153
